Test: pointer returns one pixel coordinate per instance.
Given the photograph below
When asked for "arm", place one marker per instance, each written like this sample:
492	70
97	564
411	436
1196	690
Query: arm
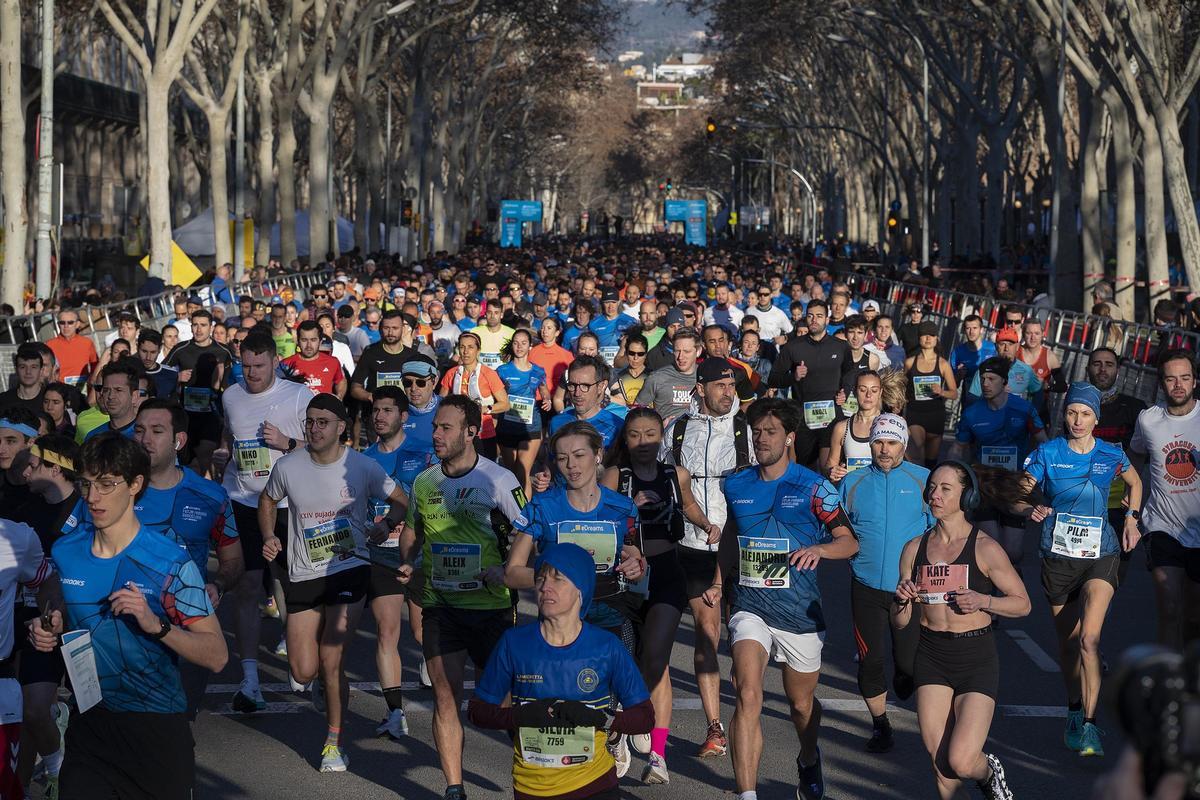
231	563
339	388
691	509
610	478
357	392
517	572
201	643
1133	501
833	468
951	390
843	546
906	590
727	563
268	511
993	561
500	402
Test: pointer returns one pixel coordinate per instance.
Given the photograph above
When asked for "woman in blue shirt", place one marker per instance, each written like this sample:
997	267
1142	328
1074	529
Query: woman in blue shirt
1080	549
519	430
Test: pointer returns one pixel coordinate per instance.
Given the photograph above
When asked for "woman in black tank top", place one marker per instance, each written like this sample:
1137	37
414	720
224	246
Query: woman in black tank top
961	578
663	495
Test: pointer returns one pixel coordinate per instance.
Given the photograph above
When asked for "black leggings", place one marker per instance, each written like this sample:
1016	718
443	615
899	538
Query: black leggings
871	609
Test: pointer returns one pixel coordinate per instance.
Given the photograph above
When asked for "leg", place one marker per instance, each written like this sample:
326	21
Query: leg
527	453
340	623
933	447
1095	598
745	729
935	715
39	734
247	620
1190	623
1168	595
414	621
871	623
508	458
303	635
1066	627
708	674
658	636
388	611
805	710
972	721
916	444
446	673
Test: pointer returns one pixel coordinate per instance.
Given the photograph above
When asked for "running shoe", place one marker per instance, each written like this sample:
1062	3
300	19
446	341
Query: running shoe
881	740
1073	735
394	725
715	743
656	770
996	786
455	793
640	742
1089	741
269	609
334	759
281	648
618	748
424	676
248	702
811	783
318	696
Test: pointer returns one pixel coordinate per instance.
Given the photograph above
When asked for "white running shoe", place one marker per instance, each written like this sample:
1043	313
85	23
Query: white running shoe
656	770
334	759
281	648
618	746
640	742
394	725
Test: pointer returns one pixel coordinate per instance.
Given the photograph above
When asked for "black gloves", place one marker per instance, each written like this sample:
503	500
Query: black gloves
534	714
577	714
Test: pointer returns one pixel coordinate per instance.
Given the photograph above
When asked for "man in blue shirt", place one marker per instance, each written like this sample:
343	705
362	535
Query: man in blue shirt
966	356
141	600
419	377
784	519
219	289
610	325
586	379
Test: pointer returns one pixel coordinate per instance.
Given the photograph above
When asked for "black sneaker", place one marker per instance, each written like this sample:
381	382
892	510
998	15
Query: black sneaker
996	786
455	793
881	740
811	784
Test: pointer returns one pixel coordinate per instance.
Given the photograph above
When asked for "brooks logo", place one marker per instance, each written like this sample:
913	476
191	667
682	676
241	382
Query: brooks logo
74	582
743	500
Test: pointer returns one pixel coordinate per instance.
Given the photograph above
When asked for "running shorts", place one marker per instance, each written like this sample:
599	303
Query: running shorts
252	540
966	662
800	651
1063	578
452	630
1164	550
341	588
128	755
699	569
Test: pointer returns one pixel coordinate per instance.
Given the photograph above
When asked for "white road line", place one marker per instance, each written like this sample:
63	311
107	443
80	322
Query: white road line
279	688
1032	649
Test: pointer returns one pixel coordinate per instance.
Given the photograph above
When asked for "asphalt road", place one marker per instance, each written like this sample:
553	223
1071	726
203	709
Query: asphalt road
278	750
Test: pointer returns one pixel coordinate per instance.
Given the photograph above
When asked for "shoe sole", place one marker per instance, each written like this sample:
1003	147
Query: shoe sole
333	769
1091	753
713	752
655	780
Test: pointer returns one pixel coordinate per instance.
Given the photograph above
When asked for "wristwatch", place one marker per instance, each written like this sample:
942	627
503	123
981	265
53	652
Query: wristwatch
1133	512
291	444
164	630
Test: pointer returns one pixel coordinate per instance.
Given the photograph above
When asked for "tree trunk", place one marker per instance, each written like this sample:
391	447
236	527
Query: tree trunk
1181	193
218	141
12	162
1089	196
266	171
158	179
995	165
320	207
1125	239
1155	212
285	159
365	217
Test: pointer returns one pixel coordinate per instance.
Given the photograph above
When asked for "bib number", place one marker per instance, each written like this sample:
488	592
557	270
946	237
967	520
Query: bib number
74	381
850	407
321	540
197	399
388	379
819	414
936	583
857	463
490	359
609	353
253	458
1077	537
923	386
557	747
1002	457
456	567
598	538
521	409
763	563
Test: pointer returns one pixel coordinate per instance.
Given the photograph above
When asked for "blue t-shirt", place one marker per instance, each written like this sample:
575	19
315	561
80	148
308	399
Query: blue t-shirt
373	334
107	427
402	465
136	672
773	519
1076	486
609	332
606	422
1000	438
192	513
967	355
524	387
550	518
419	425
570	336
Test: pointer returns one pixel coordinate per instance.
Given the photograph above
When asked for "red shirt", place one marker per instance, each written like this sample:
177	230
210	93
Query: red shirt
76	358
321	373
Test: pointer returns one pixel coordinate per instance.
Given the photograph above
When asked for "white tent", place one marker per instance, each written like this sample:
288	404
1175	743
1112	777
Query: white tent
195	237
345	234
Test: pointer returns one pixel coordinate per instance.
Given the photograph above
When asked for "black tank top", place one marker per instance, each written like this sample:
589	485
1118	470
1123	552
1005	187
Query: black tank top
662	520
976	580
915	371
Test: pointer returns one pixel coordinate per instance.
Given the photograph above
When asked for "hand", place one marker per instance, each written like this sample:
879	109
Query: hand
578	715
936	391
404	573
378	531
1040	513
541	481
645	497
131	601
185	375
837	472
801	371
214	594
805	557
220	460
714	532
969	602
712	595
271	547
547	403
273	436
907	590
631	563
840	397
534	714
44	640
1131	535
493	576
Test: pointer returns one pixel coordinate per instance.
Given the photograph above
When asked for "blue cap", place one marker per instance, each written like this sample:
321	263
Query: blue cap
1086	394
574	562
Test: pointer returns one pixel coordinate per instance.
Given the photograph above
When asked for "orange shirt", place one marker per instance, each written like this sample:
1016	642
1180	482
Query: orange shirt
484	388
76	358
554	359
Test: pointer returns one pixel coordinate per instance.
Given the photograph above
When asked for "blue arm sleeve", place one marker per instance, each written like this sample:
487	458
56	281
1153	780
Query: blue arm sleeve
497	679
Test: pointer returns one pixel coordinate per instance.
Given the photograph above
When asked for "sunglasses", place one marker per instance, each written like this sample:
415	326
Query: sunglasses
635	353
420	383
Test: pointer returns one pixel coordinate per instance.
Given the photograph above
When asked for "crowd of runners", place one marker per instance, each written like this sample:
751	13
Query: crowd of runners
631	432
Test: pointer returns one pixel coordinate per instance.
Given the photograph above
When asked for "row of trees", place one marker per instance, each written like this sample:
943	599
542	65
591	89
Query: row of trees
841	94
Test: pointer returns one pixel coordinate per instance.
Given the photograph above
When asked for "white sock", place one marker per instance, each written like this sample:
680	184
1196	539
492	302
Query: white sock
250	674
53	762
748	796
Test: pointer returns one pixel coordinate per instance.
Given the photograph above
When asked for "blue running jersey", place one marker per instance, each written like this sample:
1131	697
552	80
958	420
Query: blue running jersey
419	426
402	465
1000	438
774	518
195	512
522	388
106	427
136	672
594	669
1076	487
606	422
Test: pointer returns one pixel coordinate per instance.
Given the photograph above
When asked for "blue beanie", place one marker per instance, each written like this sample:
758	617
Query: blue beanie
576	563
1084	393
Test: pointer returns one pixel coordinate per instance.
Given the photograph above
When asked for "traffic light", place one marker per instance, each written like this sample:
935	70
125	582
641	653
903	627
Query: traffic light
893	221
406	213
710	128
662	186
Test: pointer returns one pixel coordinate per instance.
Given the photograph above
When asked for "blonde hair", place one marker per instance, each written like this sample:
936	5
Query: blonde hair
893	390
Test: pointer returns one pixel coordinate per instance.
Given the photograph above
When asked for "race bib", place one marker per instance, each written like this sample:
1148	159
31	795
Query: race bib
936	583
819	414
1077	537
74	380
598	538
521	409
850	407
1002	457
321	540
923	386
388	379
490	359
455	567
763	563
609	353
380	508
557	747
253	458
196	398
857	463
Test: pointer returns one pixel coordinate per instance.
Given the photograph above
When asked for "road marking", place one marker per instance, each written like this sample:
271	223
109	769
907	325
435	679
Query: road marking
1036	654
286	688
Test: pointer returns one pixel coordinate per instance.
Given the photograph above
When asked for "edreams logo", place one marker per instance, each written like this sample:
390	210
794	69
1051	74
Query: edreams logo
74	582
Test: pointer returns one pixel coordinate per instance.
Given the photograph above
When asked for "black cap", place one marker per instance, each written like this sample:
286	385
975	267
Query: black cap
610	296
327	402
715	369
927	328
345	311
540	299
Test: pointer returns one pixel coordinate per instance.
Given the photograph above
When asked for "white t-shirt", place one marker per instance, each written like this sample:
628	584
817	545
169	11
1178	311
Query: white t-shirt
330	506
283	405
771	323
21	562
1171	445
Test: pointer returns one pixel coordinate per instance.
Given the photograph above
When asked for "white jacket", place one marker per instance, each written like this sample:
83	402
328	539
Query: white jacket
709	454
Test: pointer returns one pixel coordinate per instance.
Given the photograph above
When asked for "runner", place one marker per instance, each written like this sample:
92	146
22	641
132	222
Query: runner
850	440
75	353
402	457
1021	379
966	356
600	520
563	675
480	383
321	371
519	430
663	495
549	355
136	742
328	487
931	384
419	378
1166	438
954	572
884	502
611	325
669	390
185	357
1079	549
626	386
18	428
123	387
586	379
710	442
459	517
493	335
381	363
263	420
784	520
998	433
813	366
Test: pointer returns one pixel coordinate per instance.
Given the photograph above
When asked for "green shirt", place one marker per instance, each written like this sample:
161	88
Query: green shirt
285	345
